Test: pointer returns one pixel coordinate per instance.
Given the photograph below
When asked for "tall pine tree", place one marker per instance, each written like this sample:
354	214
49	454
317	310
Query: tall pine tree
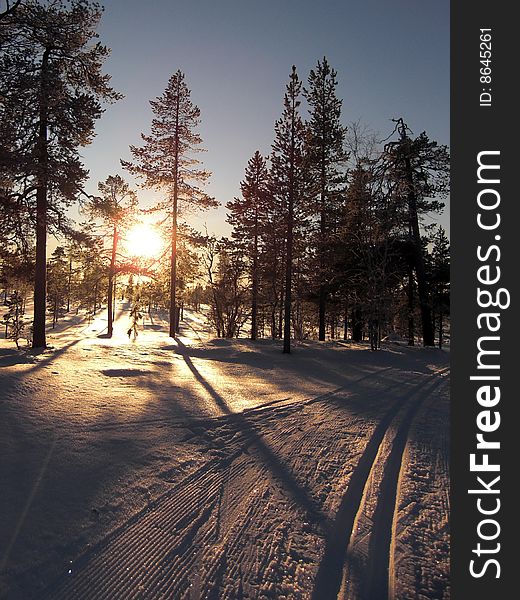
166	161
289	181
418	170
51	86
115	207
248	216
326	162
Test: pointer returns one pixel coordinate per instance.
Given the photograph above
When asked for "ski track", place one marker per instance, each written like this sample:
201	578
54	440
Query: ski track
195	540
333	580
270	503
420	538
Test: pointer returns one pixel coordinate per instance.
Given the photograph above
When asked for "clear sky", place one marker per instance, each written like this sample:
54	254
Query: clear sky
392	58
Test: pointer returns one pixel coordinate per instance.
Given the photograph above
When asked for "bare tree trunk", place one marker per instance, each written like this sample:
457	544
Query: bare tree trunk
111	274
94	310
173	272
254	300
55	312
357	325
114	296
322	291
40	273
322	313
288	278
289	253
69	283
280	316
411	308
323	195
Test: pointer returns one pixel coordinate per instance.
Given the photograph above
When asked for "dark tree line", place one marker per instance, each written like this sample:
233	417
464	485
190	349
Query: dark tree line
329	238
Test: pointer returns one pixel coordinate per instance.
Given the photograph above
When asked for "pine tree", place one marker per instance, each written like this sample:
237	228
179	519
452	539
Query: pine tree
288	177
248	216
13	319
57	270
440	259
351	237
52	86
188	263
326	162
166	161
418	170
228	281
116	206
272	264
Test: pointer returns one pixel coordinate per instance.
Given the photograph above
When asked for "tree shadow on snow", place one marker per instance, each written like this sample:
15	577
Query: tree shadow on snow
280	471
124	372
11	356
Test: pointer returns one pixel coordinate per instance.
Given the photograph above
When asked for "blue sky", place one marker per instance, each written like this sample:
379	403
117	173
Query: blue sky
392	59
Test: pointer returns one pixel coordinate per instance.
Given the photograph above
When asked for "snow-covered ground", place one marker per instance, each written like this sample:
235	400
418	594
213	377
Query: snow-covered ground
221	469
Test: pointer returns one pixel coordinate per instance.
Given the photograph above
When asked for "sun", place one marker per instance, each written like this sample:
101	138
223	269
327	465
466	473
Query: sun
143	240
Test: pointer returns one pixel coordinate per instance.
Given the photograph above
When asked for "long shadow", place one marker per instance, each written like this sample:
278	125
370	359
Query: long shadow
12	356
69	465
376	585
299	494
254	355
67	484
130	372
23	356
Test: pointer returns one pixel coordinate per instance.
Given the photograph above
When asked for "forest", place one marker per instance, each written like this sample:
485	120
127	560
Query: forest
235	392
332	237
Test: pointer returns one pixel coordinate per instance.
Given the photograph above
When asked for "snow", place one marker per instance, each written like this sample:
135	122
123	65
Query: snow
208	468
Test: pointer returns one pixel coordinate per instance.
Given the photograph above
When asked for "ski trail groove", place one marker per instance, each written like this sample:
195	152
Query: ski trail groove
377	582
331	570
132	557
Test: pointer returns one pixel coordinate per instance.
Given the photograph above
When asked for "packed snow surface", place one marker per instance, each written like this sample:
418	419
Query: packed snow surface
202	468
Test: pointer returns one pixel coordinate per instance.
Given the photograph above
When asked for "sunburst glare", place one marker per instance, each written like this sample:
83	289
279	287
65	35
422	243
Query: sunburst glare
143	240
